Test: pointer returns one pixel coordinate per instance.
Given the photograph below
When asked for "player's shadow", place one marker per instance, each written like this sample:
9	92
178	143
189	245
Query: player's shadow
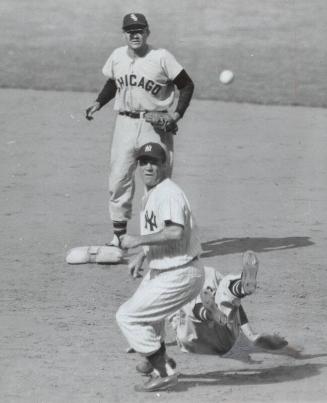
245	351
259	376
225	246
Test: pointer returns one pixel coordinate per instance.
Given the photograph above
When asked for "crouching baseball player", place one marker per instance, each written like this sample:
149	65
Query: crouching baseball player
171	247
200	326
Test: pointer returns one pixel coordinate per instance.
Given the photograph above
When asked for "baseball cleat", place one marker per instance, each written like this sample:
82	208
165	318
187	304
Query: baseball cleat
249	272
116	242
158	383
145	367
208	301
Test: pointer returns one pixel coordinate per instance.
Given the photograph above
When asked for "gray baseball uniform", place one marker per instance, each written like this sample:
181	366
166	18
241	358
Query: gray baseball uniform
208	337
143	84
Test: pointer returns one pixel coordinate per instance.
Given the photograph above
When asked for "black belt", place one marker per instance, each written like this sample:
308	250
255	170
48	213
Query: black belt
134	115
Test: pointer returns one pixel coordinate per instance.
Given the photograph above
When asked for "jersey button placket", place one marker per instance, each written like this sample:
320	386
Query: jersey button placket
130	93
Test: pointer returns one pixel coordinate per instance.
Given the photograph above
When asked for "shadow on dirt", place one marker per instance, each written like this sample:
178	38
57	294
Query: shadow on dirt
225	246
245	352
283	373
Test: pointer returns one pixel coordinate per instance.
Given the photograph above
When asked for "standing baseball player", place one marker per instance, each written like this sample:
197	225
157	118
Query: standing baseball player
198	324
143	81
171	247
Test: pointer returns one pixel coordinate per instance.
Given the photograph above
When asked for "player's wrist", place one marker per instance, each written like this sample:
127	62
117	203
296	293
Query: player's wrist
249	333
97	105
176	116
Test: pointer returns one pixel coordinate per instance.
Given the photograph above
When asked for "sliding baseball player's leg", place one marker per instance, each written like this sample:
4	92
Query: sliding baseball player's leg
222	305
199	329
211	324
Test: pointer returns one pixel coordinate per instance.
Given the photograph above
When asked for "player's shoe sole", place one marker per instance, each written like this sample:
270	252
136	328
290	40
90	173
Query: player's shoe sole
208	301
157	384
249	272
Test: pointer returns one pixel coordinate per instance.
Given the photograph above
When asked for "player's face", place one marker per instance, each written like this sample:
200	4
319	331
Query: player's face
136	38
152	171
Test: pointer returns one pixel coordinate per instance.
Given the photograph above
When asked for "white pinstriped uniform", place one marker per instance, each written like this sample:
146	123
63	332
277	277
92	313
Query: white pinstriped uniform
143	84
168	202
175	276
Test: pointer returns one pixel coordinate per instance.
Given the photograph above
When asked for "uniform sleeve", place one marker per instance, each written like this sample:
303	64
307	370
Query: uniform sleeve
107	93
172	208
186	88
170	65
107	69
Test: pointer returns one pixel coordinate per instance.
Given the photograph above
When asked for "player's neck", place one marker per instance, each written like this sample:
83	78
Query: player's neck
138	52
150	187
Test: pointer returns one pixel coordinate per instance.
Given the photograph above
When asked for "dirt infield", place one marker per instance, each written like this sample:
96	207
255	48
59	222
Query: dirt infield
257	179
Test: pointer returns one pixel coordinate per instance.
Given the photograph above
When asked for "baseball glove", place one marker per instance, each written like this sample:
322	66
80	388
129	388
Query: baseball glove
161	121
270	341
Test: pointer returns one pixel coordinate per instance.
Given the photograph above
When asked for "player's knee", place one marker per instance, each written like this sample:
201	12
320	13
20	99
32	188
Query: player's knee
119	316
122	316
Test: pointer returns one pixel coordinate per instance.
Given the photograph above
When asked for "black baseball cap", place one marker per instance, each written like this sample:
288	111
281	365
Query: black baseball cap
134	20
152	150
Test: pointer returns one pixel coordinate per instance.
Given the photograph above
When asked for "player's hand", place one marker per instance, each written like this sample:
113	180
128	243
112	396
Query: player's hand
90	111
130	241
135	266
270	341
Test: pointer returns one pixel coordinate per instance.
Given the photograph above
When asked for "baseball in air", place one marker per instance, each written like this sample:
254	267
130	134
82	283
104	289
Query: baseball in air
226	76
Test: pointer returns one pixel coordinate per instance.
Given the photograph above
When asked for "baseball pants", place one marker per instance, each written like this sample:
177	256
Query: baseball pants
205	337
160	294
129	135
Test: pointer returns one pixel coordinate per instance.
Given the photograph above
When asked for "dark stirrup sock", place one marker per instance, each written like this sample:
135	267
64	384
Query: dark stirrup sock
120	228
158	361
235	287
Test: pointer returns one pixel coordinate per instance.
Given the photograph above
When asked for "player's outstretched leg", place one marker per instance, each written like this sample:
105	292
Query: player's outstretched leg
231	289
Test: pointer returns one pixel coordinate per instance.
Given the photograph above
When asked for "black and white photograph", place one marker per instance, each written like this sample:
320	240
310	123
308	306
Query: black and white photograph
163	201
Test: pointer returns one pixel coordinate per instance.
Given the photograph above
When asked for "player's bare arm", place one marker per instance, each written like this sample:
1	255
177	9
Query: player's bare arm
135	266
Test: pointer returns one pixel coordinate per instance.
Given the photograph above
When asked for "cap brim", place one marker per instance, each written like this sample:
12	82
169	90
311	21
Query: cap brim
131	26
148	155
